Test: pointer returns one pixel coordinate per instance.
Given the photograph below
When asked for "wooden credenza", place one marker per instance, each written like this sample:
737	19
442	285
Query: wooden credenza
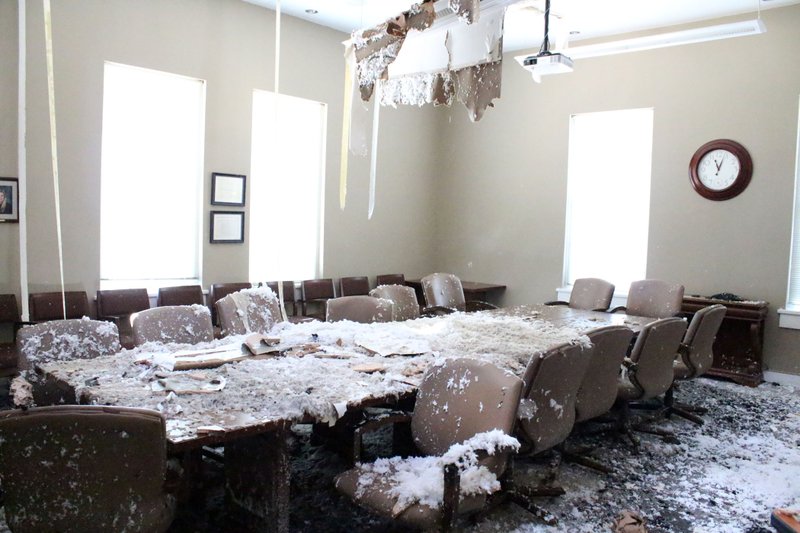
739	344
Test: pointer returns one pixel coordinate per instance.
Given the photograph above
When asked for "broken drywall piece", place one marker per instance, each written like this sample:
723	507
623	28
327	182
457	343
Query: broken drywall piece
477	86
466	10
377	48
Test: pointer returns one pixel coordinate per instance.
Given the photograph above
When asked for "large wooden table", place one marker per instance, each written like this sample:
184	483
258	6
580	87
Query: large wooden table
262	398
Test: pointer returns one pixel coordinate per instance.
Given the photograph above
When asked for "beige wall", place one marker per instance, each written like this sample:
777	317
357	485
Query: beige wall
9	233
230	44
505	177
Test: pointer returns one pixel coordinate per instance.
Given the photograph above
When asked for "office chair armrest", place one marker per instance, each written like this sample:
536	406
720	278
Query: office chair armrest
630	365
556	302
479	305
683	350
618	308
373	420
436	310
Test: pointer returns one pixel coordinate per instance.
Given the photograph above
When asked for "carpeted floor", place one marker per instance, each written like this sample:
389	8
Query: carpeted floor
724	476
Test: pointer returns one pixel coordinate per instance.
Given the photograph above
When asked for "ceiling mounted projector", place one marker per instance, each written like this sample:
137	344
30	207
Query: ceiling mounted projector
546	62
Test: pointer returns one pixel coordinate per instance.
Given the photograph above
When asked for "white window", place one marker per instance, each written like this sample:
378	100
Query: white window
151	178
608	196
287	187
790	316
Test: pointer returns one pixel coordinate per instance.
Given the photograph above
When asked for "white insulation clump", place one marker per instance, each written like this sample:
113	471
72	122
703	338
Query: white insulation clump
420	480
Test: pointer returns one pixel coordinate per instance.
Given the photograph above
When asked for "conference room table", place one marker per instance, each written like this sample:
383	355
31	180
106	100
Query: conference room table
323	371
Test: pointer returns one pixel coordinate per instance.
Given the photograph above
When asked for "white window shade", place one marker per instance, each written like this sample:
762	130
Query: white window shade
608	196
287	187
793	293
152	175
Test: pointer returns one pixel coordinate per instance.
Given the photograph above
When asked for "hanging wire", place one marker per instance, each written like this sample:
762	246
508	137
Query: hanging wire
545	48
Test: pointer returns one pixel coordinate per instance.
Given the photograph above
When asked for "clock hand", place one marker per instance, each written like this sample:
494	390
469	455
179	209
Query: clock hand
719	164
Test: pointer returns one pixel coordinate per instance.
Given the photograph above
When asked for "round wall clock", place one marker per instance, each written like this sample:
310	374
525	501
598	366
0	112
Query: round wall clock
720	169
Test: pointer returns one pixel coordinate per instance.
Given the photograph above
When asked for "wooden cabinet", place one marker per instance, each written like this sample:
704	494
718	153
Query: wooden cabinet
740	341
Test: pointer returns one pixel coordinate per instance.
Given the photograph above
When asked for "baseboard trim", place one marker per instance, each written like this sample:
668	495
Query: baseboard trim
791	380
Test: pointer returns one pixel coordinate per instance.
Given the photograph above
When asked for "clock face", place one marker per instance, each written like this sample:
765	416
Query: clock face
718	169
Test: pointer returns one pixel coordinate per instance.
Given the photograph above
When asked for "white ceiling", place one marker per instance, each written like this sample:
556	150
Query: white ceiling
524	27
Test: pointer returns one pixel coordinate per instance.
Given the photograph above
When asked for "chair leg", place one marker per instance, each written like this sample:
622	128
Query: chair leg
625	426
684	413
583	460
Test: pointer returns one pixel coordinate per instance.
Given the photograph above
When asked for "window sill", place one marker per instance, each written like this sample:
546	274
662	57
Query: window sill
788	319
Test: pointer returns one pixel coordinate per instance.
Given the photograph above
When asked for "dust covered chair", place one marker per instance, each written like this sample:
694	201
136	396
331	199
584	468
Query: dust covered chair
598	390
354	286
444	294
118	306
219	291
181	324
547	414
181	295
649	368
653	298
363	309
316	292
464	407
85	468
288	294
390	279
62	340
696	356
406	306
591	294
248	311
45	306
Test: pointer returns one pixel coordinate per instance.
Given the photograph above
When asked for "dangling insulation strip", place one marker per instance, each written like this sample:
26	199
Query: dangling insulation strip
48	40
22	163
275	123
349	61
373	167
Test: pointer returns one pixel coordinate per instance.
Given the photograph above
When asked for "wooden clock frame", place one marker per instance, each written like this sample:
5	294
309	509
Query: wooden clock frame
741	181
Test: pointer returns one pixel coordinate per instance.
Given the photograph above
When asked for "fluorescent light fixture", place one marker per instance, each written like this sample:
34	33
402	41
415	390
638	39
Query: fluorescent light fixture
663	40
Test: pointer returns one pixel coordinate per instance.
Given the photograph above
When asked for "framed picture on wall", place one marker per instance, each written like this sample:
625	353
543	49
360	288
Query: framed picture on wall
227	189
227	227
9	200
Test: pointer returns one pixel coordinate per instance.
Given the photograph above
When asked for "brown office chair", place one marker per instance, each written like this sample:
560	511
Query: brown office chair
390	279
404	299
86	468
181	324
444	294
592	294
696	356
9	315
653	298
62	340
552	380
248	311
118	306
649	368
182	295
316	291
219	291
354	286
598	390
288	294
484	398
43	306
362	309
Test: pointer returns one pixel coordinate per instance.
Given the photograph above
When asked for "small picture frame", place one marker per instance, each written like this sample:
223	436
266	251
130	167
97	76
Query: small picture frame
9	200
227	227
228	189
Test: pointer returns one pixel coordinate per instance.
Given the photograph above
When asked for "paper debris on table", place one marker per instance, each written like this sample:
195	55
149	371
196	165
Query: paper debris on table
388	346
187	384
208	430
259	344
368	368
